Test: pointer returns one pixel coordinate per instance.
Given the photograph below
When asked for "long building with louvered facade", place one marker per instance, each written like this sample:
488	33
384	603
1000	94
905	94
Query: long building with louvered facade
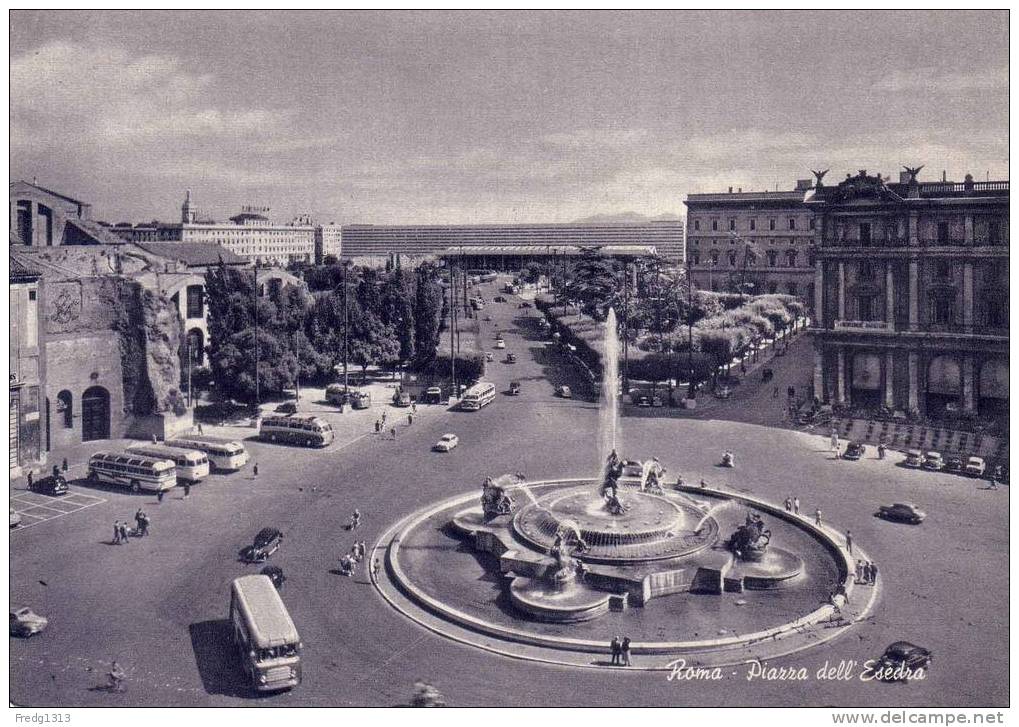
532	240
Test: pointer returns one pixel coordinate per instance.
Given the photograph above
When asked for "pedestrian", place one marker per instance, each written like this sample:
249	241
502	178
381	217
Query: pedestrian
625	647
414	407
254	469
872	573
774	394
159	497
374	571
860	573
116	532
63	465
116	677
817	517
30	479
392	432
56	471
788	504
881	450
123	533
796	506
616	647
377	426
187	490
199	427
383	419
994	482
155	439
849	541
410	419
743	367
703	484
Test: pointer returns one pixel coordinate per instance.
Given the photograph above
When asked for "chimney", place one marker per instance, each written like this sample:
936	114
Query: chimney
740	190
944	175
730	190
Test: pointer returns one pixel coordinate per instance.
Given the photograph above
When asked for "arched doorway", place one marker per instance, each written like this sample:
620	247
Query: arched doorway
95	414
195	345
865	385
944	384
992	389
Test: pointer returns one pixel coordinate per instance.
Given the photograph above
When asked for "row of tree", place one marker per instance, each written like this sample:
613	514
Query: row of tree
364	316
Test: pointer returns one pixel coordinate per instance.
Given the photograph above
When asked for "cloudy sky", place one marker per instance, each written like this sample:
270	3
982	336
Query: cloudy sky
395	117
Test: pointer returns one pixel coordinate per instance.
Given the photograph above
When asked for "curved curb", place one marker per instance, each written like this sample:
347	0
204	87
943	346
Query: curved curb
407	598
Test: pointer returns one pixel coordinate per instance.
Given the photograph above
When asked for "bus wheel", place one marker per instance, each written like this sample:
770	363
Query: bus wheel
135	486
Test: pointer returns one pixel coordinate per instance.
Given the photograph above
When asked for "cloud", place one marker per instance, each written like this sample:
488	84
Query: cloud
931	80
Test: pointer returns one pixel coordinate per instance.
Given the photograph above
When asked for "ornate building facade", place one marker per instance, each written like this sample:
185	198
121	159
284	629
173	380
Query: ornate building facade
911	294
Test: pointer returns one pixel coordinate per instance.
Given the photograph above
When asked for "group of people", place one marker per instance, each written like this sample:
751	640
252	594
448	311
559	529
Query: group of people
620	651
792	504
121	531
866	572
350	562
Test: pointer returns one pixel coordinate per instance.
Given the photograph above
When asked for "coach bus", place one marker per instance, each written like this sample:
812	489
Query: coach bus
134	470
192	465
477	396
223	454
264	634
306	430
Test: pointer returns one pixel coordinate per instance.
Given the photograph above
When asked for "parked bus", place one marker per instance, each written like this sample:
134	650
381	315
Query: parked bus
130	469
297	429
264	634
335	394
477	396
223	454
192	465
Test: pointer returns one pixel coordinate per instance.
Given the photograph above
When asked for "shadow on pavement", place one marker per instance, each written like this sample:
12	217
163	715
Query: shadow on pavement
216	657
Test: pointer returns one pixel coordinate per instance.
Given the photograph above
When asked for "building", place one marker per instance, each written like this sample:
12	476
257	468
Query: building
251	234
764	239
27	368
379	242
328	241
911	295
41	217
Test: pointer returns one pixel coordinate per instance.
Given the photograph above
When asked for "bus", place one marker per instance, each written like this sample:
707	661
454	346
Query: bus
223	454
264	634
336	394
192	465
296	429
477	396
137	471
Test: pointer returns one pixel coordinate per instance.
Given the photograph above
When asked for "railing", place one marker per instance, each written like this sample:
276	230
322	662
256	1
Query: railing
848	325
942	187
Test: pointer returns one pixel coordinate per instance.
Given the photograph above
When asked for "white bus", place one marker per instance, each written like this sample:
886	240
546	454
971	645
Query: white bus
264	634
133	470
192	465
223	454
297	429
477	396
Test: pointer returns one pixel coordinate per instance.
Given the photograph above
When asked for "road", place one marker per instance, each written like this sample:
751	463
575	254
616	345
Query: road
158	604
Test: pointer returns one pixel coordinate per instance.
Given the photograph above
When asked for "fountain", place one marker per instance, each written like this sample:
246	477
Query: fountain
608	412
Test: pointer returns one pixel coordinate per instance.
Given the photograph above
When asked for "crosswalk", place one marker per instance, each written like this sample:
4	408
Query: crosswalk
35	508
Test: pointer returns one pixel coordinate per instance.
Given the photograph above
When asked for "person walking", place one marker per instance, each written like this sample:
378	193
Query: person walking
849	542
30	479
392	432
159	496
817	517
410	419
788	504
625	648
374	569
881	450
200	428
254	469
116	532
63	465
796	506
860	578
187	489
414	407
872	572
383	418
616	647
116	676
123	533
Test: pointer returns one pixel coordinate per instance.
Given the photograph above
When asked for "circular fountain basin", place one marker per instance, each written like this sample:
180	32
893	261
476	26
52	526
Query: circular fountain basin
569	602
653	527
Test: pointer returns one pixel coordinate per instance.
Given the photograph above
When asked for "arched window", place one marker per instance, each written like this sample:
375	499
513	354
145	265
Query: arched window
65	405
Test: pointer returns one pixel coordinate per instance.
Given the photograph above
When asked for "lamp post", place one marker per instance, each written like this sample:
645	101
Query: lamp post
258	394
346	325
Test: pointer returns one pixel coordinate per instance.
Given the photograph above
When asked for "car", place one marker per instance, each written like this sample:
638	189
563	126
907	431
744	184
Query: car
901	661
514	389
632	468
564	392
511	358
267	541
25	622
401	398
489	356
50	485
933	461
914	458
975	467
275	574
903	512
724	393
498	299
446	443
855	450
953	464
657	401
487	319
287	407
525	304
433	395
360	399
15	518
643	402
500	343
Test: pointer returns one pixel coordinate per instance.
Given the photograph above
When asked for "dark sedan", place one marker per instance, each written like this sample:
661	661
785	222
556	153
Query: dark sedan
901	661
54	486
855	450
903	512
954	464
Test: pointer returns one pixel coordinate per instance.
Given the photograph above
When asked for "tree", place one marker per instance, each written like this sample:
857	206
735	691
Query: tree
595	283
428	304
372	342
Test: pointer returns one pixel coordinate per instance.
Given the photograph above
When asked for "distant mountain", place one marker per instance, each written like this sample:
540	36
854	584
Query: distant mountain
632	217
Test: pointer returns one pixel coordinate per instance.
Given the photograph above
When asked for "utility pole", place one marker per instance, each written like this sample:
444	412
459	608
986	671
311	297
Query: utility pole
453	330
689	328
626	327
258	394
346	325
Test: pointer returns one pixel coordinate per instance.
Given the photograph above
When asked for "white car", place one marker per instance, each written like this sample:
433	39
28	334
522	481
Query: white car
446	443
564	392
500	343
933	461
975	466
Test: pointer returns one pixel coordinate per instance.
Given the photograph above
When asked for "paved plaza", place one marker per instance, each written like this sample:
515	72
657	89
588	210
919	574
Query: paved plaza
159	604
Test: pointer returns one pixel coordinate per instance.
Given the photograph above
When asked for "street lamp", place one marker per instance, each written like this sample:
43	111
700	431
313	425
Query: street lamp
346	325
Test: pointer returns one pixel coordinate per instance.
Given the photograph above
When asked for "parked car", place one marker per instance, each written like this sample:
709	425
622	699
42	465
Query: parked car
933	461
564	392
401	398
903	512
446	443
15	518
902	660
511	358
724	393
514	388
25	622
489	356
287	407
336	394
433	395
657	401
914	458
525	304
498	299
643	401
275	574
360	399
975	467
267	541
954	464
500	343
50	485
855	450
